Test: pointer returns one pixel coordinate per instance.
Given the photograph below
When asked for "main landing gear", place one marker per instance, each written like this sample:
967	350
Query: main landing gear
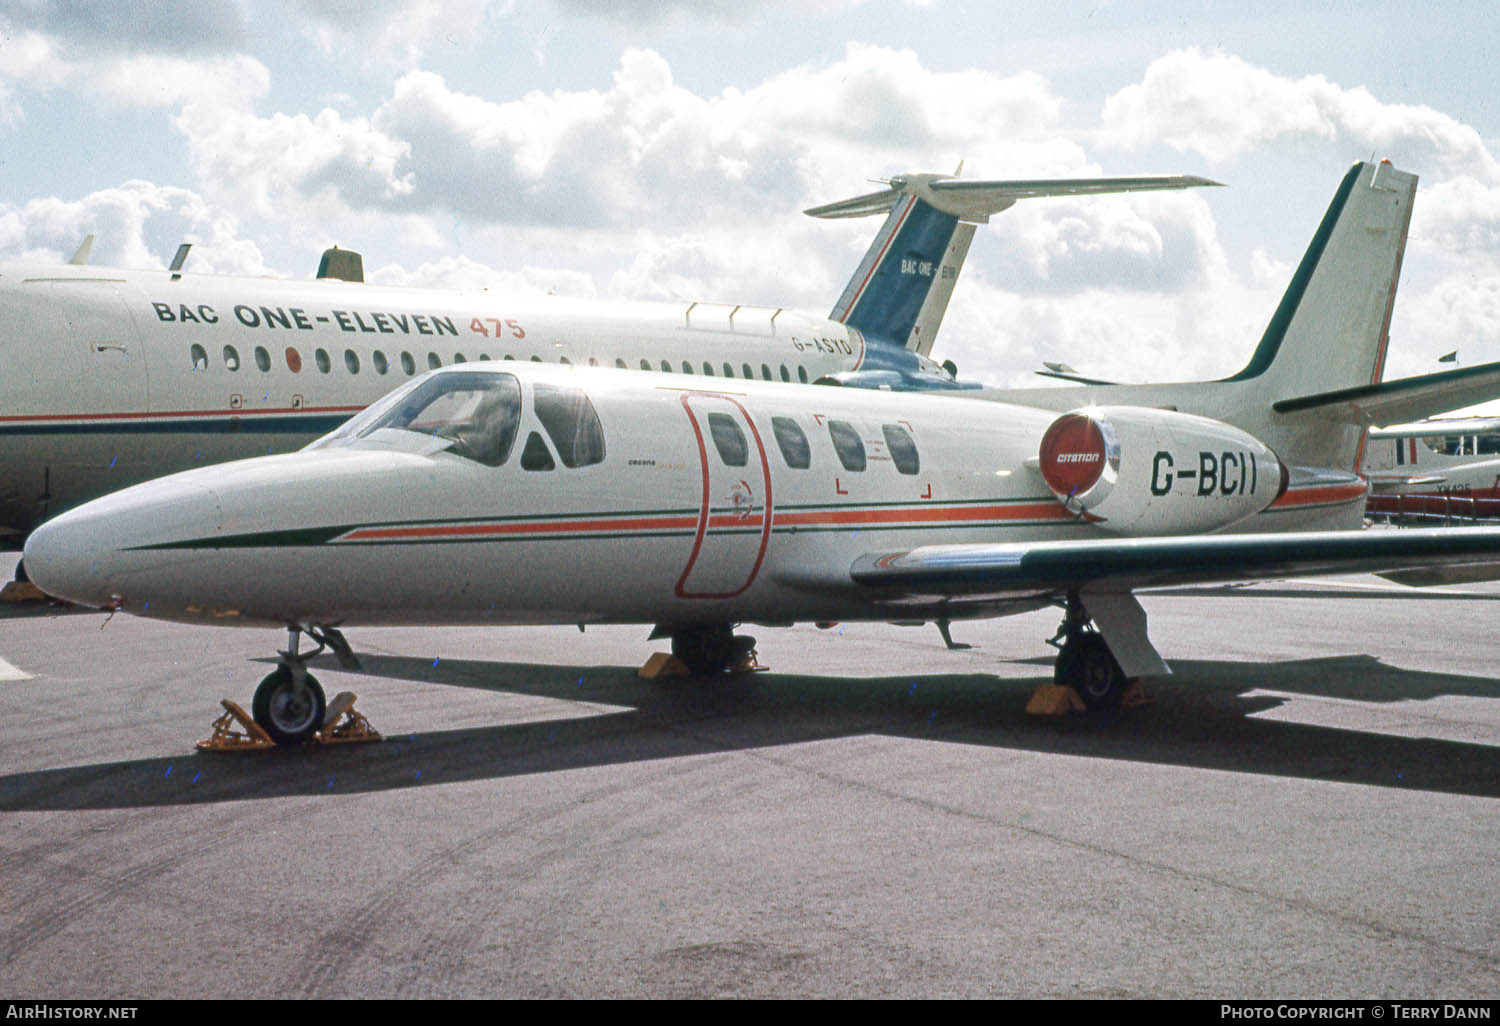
707	649
290	705
1085	663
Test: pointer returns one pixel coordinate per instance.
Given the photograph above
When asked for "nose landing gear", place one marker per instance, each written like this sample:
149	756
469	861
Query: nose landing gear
289	704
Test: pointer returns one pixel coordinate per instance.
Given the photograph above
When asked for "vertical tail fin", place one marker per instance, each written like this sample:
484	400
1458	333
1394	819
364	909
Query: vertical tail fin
900	290
1331	328
1329	334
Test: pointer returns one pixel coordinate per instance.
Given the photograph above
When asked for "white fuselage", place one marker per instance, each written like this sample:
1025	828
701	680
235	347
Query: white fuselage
113	377
684	502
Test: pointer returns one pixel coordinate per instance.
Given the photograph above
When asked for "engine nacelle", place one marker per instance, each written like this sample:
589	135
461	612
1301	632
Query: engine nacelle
1139	471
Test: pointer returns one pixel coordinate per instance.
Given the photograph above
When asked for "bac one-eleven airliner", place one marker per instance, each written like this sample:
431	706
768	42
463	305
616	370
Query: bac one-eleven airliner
112	377
505	493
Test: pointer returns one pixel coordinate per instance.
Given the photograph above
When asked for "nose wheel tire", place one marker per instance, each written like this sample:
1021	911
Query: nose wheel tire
1087	666
289	706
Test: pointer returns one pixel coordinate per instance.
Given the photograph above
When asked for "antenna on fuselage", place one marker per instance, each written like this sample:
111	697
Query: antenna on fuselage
81	257
179	260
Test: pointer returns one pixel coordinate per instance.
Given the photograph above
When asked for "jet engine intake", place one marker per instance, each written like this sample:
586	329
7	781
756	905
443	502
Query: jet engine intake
1139	471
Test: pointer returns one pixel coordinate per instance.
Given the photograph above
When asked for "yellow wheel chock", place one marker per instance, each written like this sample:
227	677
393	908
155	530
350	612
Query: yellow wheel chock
343	724
229	739
237	731
21	591
1059	699
664	664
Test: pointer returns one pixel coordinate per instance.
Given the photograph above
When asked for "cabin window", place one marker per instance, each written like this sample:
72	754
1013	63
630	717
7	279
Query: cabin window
459	358
571	423
621	364
765	372
199	356
728	439
478	413
901	447
565	361
784	375
320	357
293	360
687	368
792	442
231	358
262	359
433	363
708	369
802	374
666	367
535	358
408	364
728	369
535	456
380	363
847	444
593	362
351	361
745	367
645	365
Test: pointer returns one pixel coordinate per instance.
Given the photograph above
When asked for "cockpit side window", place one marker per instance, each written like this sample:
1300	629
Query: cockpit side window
535	455
479	413
571	423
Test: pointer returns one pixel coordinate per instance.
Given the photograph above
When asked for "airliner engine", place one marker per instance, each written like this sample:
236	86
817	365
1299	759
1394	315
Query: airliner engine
1138	471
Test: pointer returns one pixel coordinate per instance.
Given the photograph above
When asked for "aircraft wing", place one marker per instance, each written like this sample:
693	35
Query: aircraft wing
1126	564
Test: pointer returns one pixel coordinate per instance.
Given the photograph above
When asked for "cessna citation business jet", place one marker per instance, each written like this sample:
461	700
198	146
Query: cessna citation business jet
518	493
112	377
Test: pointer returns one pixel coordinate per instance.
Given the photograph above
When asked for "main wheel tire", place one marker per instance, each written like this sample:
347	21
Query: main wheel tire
705	650
1088	666
289	713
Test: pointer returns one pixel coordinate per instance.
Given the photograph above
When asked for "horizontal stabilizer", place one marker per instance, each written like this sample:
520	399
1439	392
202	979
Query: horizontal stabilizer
1403	399
1440	426
976	201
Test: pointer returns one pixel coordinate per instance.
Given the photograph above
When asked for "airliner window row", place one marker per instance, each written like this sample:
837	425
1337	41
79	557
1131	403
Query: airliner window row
352	363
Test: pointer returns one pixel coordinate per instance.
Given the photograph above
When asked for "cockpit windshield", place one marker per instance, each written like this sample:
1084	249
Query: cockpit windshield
476	413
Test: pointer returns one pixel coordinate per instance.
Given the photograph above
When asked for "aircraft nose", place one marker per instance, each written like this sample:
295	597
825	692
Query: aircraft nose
61	558
95	555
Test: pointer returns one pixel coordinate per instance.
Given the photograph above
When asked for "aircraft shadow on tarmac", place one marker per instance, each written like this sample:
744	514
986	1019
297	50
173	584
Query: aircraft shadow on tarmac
1202	719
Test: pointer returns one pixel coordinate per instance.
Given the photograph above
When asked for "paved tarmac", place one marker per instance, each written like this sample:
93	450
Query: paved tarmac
1308	809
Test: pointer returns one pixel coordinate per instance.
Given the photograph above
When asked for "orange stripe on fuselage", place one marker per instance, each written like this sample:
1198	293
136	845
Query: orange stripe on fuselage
1321	494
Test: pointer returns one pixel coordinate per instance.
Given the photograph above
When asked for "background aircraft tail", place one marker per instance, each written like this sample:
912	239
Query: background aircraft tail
900	290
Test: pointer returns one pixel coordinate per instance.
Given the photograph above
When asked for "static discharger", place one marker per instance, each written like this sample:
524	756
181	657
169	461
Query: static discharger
237	731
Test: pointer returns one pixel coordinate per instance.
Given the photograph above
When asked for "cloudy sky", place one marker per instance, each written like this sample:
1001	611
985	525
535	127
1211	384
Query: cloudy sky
664	149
